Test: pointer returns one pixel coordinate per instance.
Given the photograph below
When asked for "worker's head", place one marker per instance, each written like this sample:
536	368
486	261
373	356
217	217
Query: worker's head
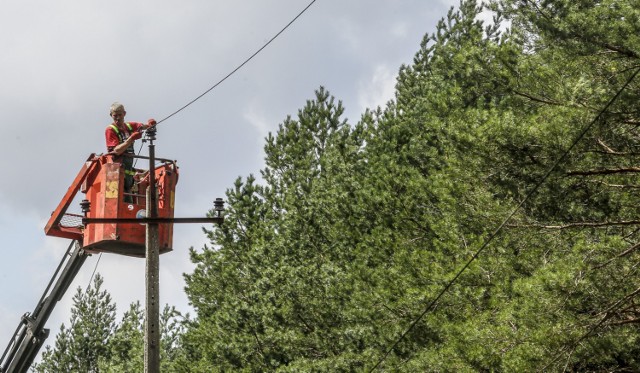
117	112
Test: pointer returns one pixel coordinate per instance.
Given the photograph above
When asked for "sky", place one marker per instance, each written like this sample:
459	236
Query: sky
64	62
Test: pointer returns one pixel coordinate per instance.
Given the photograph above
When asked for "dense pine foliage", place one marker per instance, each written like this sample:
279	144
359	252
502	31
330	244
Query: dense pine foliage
95	342
381	243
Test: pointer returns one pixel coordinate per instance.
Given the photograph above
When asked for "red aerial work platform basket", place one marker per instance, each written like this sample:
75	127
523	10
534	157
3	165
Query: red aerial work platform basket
101	179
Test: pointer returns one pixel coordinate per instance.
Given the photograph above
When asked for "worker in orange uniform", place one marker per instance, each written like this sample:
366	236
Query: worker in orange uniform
120	137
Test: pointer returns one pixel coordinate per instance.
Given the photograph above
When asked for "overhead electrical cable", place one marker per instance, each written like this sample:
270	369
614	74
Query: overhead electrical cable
236	69
93	273
241	65
486	243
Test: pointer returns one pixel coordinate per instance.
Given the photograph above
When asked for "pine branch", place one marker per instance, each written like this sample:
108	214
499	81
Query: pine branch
618	186
537	99
605	171
623	322
578	225
606	147
622	254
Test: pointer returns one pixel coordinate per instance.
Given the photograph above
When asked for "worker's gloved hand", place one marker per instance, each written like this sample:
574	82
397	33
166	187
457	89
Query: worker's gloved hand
151	122
136	135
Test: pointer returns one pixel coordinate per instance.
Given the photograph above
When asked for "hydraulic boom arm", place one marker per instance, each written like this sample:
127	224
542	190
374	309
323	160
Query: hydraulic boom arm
31	334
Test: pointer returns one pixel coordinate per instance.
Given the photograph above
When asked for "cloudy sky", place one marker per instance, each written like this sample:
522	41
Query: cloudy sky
64	62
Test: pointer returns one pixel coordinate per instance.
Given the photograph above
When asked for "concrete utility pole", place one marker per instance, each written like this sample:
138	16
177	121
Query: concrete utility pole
152	309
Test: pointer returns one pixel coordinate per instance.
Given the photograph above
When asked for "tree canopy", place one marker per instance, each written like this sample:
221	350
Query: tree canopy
485	219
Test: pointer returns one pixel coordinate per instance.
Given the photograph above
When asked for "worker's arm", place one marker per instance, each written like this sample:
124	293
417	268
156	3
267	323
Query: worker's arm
113	145
121	148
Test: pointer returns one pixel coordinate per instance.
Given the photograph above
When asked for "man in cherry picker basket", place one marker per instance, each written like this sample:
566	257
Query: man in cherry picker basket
120	137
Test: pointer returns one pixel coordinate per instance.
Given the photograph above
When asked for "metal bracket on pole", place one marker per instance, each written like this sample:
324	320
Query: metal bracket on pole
158	220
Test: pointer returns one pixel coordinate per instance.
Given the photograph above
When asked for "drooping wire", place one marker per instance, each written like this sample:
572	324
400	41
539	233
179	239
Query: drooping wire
234	70
489	239
93	273
239	66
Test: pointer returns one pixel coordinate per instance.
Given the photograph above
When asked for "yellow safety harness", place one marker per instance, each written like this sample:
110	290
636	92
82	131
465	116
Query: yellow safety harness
130	149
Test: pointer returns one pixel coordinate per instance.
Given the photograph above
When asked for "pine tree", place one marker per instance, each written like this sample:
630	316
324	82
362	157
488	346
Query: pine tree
358	228
78	348
126	345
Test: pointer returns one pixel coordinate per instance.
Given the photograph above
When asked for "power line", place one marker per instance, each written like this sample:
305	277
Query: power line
516	209
93	273
237	68
234	70
241	65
